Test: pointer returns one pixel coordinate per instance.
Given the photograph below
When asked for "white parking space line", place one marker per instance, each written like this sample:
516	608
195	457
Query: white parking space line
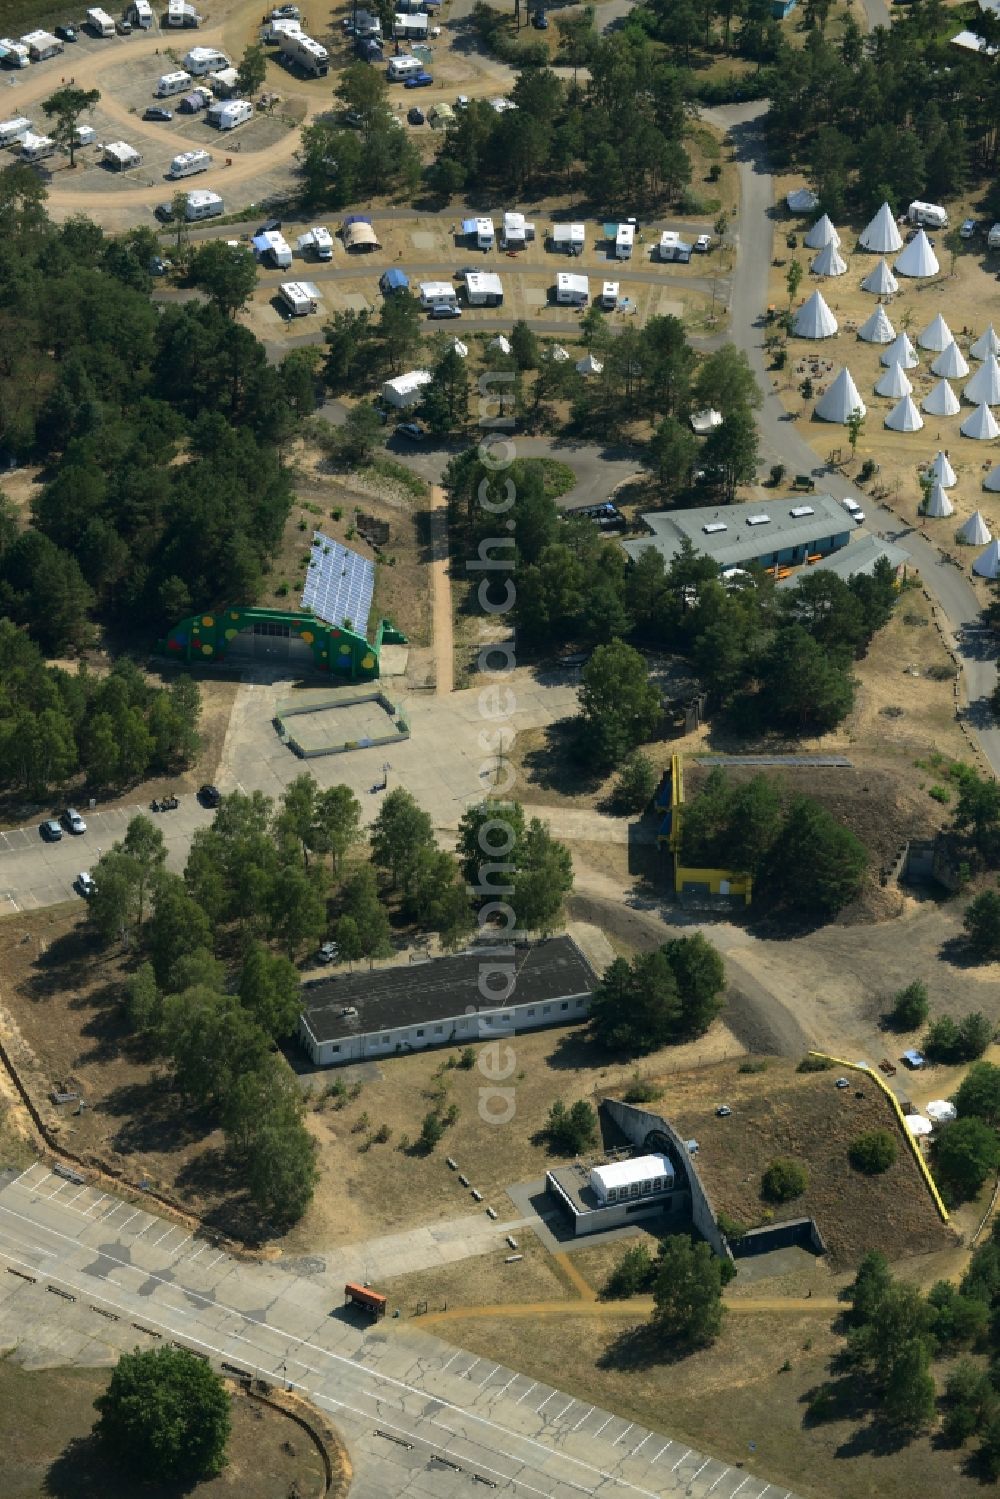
623	1435
124	1226
450	1361
76	1195
700	1470
602	1426
551	1396
564	1410
489	1376
533	1386
93	1206
466	1372
145	1230
740	1486
722	1475
662	1450
583	1418
218	1257
22	1174
642	1444
507	1385
680	1460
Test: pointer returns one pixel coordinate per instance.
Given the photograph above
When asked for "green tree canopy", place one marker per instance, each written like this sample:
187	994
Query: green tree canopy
619	706
226	273
165	1412
687	1294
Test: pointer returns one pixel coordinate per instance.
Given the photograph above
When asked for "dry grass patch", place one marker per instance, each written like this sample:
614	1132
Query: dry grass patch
484	1280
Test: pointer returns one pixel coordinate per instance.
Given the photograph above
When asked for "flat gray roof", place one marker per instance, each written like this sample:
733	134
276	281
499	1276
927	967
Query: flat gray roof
734	534
859	556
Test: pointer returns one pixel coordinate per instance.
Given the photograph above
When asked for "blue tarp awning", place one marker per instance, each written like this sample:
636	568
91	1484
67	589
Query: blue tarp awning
356	218
261	243
469	226
396	280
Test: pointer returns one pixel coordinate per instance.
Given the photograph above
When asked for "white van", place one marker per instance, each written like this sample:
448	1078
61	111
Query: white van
202	60
188	163
203	205
172	83
401	68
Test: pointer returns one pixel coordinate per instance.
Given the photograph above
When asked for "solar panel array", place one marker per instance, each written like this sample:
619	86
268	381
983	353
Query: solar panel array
339	584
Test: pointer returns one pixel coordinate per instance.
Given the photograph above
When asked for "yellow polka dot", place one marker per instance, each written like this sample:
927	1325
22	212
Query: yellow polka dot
208	621
206	650
233	614
308	636
368	661
345	650
231	634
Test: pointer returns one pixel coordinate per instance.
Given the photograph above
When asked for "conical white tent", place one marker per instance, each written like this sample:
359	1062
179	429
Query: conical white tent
894	383
558	354
900	352
941	401
984	387
840	400
881	281
937	335
942	471
986	343
822	233
975	531
814	318
939	507
588	365
992	481
829	262
905	417
951	363
980	424
500	343
461	349
881	236
987	564
802	201
877	329
918	258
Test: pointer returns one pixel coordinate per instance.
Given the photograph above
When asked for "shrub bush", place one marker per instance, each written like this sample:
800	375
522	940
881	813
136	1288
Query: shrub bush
783	1181
873	1152
815	1064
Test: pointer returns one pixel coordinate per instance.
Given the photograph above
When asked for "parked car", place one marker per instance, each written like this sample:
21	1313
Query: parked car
209	796
968	229
158	266
412	430
462	102
354	118
154	112
540	21
85	884
164	212
51	830
328	952
419	80
66	33
444	310
74	821
271	227
723	1111
416	116
123	28
854	510
842	1082
703	244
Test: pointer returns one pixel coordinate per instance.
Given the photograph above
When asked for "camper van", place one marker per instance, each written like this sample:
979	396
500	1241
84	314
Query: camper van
14	54
202	60
319	240
12	132
203	205
930	215
298	298
401	68
180	13
41	45
100	22
172	83
37	147
227	116
311	56
141	14
189	163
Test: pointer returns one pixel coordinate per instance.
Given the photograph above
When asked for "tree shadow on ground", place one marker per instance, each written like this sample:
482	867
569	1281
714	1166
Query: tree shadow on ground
155	1118
959	952
107	1028
66	963
216	1176
85	1470
639	1347
553	766
577	1048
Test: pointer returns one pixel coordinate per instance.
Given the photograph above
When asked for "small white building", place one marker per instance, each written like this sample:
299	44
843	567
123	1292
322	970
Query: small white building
624	1181
202	204
406	390
483	289
201	61
569	238
41	44
624	240
300	297
618	1192
121	157
410	27
229	115
437	294
318	240
572	291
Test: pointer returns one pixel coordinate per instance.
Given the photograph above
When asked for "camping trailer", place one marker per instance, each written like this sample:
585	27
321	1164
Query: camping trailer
120	156
299	297
308	54
319	240
624	240
14	54
273	246
571	291
100	22
141	13
437	294
13	131
930	215
401	68
37	147
406	390
172	83
609	296
41	45
85	135
483	289
203	205
227	116
180	13
569	238
189	163
202	60
481	231
672	247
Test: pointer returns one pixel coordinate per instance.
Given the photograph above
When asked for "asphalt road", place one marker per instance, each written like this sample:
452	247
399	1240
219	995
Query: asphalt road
88	1275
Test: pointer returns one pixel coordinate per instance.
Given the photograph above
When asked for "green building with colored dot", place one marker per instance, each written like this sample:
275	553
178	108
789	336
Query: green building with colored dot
269	633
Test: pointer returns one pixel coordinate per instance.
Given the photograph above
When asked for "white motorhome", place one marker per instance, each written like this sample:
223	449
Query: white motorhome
14	54
275	247
308	54
437	294
931	215
120	156
172	83
319	240
203	205
37	147
274	30
483	289
481	231
189	163
410	27
41	44
401	68
299	297
609	296
624	240
569	238
516	231
181	13
202	60
227	116
572	291
100	22
13	131
142	14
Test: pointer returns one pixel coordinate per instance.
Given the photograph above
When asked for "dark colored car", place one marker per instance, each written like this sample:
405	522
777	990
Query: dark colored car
123	28
419	80
164	212
271	227
412	430
540	21
51	830
415	116
66	33
154	112
209	796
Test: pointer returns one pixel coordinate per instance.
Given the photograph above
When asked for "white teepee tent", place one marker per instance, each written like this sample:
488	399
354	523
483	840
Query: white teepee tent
986	343
975	531
901	352
937	335
822	233
588	365
951	363
814	319
501	343
840	400
941	401
984	387
992	481
881	236
461	349
987	564
881	281
980	424
894	383
905	417
939	507
829	262
918	258
942	471
877	329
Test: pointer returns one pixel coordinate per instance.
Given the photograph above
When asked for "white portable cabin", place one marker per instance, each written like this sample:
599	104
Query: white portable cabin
572	291
203	205
624	240
181	13
275	246
203	60
624	1181
13	131
483	289
14	54
410	27
142	14
120	156
311	56
401	68
300	297
85	135
188	163
406	390
570	238
319	240
227	116
41	44
437	294
37	147
100	22
930	214
172	83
